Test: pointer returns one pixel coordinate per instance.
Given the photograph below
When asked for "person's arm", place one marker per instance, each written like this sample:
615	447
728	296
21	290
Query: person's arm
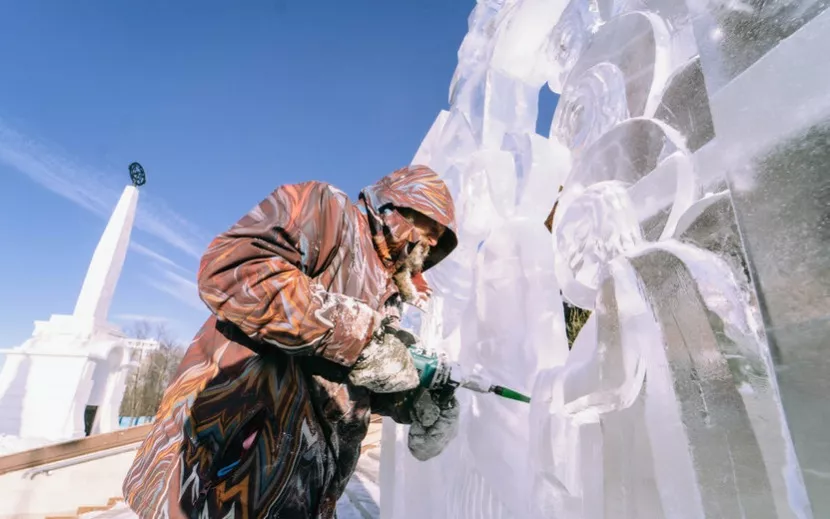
259	276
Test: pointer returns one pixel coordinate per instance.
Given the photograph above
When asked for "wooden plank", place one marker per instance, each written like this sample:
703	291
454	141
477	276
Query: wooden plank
87	509
72	449
368	446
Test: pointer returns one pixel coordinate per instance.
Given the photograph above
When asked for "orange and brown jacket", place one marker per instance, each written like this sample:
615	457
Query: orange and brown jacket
296	289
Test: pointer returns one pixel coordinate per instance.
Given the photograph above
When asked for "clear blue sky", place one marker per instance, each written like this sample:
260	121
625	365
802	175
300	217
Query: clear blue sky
220	101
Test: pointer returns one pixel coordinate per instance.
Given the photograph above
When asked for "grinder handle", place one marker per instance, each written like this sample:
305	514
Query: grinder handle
425	365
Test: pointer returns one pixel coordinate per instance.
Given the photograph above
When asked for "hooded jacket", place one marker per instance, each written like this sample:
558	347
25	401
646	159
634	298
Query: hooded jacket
260	419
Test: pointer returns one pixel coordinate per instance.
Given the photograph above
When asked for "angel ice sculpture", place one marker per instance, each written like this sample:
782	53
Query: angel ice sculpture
667	405
661	409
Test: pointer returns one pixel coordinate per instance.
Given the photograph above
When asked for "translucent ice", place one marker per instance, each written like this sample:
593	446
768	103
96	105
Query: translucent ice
686	170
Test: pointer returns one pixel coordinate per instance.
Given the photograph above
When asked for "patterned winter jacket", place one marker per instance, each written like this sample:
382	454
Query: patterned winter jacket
296	288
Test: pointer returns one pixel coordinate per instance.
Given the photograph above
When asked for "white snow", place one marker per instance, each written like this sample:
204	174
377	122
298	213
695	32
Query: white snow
14	444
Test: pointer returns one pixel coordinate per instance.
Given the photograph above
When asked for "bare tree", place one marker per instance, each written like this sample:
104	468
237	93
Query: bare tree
148	381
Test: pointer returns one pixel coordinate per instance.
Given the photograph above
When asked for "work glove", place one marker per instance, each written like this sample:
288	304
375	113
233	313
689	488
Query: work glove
385	365
434	425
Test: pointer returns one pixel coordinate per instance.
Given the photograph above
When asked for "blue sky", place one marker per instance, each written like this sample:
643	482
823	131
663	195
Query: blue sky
220	101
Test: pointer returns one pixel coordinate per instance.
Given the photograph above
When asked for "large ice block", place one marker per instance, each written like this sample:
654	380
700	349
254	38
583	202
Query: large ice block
686	168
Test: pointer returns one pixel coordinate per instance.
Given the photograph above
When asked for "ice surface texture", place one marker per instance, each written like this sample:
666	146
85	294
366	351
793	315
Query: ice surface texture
692	144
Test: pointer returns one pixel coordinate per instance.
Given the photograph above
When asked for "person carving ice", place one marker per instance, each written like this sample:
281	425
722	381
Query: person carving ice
266	413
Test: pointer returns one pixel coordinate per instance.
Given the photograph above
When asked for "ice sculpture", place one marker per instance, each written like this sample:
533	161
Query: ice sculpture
691	142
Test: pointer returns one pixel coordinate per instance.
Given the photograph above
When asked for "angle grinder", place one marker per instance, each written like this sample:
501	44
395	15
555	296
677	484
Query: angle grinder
443	377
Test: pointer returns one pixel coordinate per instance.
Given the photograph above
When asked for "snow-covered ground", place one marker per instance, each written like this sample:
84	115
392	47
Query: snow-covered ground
13	444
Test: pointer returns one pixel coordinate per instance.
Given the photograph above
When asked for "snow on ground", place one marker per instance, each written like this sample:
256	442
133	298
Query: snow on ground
13	444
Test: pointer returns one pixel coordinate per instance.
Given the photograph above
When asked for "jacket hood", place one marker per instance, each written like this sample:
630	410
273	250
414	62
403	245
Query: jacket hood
418	188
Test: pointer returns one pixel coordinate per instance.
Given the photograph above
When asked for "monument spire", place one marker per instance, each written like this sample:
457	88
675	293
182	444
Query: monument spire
102	276
76	366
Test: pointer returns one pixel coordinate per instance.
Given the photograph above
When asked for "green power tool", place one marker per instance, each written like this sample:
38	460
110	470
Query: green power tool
440	375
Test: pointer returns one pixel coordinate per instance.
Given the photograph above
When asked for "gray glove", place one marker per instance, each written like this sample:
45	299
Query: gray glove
385	365
433	426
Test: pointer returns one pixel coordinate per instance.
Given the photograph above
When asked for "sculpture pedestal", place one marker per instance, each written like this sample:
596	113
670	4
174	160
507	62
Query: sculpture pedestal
79	361
47	383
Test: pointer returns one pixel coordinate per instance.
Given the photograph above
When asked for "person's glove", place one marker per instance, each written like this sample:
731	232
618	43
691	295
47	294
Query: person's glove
385	365
434	425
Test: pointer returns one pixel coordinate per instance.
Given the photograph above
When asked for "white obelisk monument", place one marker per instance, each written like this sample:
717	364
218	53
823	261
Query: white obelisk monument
79	360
